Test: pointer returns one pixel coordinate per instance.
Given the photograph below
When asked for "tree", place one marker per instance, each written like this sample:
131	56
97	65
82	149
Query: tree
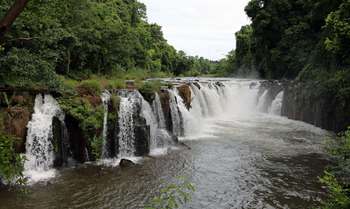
11	15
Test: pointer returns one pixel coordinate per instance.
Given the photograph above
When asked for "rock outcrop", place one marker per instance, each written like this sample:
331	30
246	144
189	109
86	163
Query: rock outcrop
186	95
323	109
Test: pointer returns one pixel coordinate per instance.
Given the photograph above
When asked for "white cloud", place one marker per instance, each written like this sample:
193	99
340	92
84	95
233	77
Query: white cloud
199	27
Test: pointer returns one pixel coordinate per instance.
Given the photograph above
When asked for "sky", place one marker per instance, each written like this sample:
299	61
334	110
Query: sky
199	27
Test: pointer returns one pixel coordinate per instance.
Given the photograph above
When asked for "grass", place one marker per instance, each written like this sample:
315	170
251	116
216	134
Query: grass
95	83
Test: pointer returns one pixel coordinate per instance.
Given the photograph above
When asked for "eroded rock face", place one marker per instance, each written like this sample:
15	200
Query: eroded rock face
77	140
142	133
165	101
15	122
186	95
326	110
60	142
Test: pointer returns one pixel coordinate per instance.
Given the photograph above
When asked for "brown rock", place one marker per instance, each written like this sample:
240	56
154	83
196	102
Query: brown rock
15	122
186	95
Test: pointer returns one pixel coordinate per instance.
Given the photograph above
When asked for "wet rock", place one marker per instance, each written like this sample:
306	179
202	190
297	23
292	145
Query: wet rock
323	109
142	133
186	95
124	163
165	102
77	140
197	85
60	142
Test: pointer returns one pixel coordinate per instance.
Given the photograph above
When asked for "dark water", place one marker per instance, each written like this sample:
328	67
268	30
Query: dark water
252	162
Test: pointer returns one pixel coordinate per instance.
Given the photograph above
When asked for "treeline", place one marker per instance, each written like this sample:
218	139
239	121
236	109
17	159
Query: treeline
306	41
78	38
291	38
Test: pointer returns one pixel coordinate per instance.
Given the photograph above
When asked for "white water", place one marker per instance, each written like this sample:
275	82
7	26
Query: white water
158	110
262	101
39	149
175	115
276	106
105	97
126	136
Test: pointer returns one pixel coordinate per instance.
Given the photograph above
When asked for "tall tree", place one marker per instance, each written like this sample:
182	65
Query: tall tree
11	16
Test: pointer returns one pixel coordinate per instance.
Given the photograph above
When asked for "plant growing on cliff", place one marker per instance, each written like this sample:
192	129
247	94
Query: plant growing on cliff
173	196
90	118
337	178
11	163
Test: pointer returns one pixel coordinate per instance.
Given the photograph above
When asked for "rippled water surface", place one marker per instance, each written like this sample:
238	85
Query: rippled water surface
256	161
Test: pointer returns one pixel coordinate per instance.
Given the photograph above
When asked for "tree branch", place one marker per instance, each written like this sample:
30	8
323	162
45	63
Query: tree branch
11	15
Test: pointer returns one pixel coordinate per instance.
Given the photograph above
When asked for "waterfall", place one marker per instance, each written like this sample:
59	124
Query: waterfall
276	106
262	101
39	148
175	115
126	136
105	97
151	121
157	107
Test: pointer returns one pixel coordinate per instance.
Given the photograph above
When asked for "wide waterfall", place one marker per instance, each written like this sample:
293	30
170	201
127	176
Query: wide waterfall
105	97
39	147
126	136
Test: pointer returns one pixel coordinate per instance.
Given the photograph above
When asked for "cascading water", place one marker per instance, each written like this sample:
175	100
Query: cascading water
175	115
262	101
105	97
276	106
151	121
126	136
39	148
157	107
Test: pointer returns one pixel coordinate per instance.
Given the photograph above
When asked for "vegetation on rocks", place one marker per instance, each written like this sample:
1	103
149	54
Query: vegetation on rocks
337	178
11	163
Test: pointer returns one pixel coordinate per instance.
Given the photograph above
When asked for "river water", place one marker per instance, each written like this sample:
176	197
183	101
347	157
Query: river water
252	160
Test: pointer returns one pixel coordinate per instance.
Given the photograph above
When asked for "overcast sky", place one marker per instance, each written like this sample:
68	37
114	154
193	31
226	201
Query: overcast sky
199	27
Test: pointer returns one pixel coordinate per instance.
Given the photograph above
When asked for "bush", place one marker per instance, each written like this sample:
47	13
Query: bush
89	87
11	163
173	196
337	179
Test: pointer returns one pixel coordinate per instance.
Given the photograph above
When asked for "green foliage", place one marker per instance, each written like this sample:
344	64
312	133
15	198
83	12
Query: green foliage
286	36
96	147
89	87
337	179
338	196
24	69
78	38
11	163
90	118
173	196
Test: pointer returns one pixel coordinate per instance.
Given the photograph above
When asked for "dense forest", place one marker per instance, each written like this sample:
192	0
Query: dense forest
81	38
308	42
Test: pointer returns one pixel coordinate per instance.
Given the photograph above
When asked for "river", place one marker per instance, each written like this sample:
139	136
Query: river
245	159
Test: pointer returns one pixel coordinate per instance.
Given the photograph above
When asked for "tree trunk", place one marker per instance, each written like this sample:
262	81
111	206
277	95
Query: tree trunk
11	16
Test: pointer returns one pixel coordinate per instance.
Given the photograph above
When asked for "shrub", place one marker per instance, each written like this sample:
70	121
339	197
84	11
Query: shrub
11	163
89	87
337	179
173	196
